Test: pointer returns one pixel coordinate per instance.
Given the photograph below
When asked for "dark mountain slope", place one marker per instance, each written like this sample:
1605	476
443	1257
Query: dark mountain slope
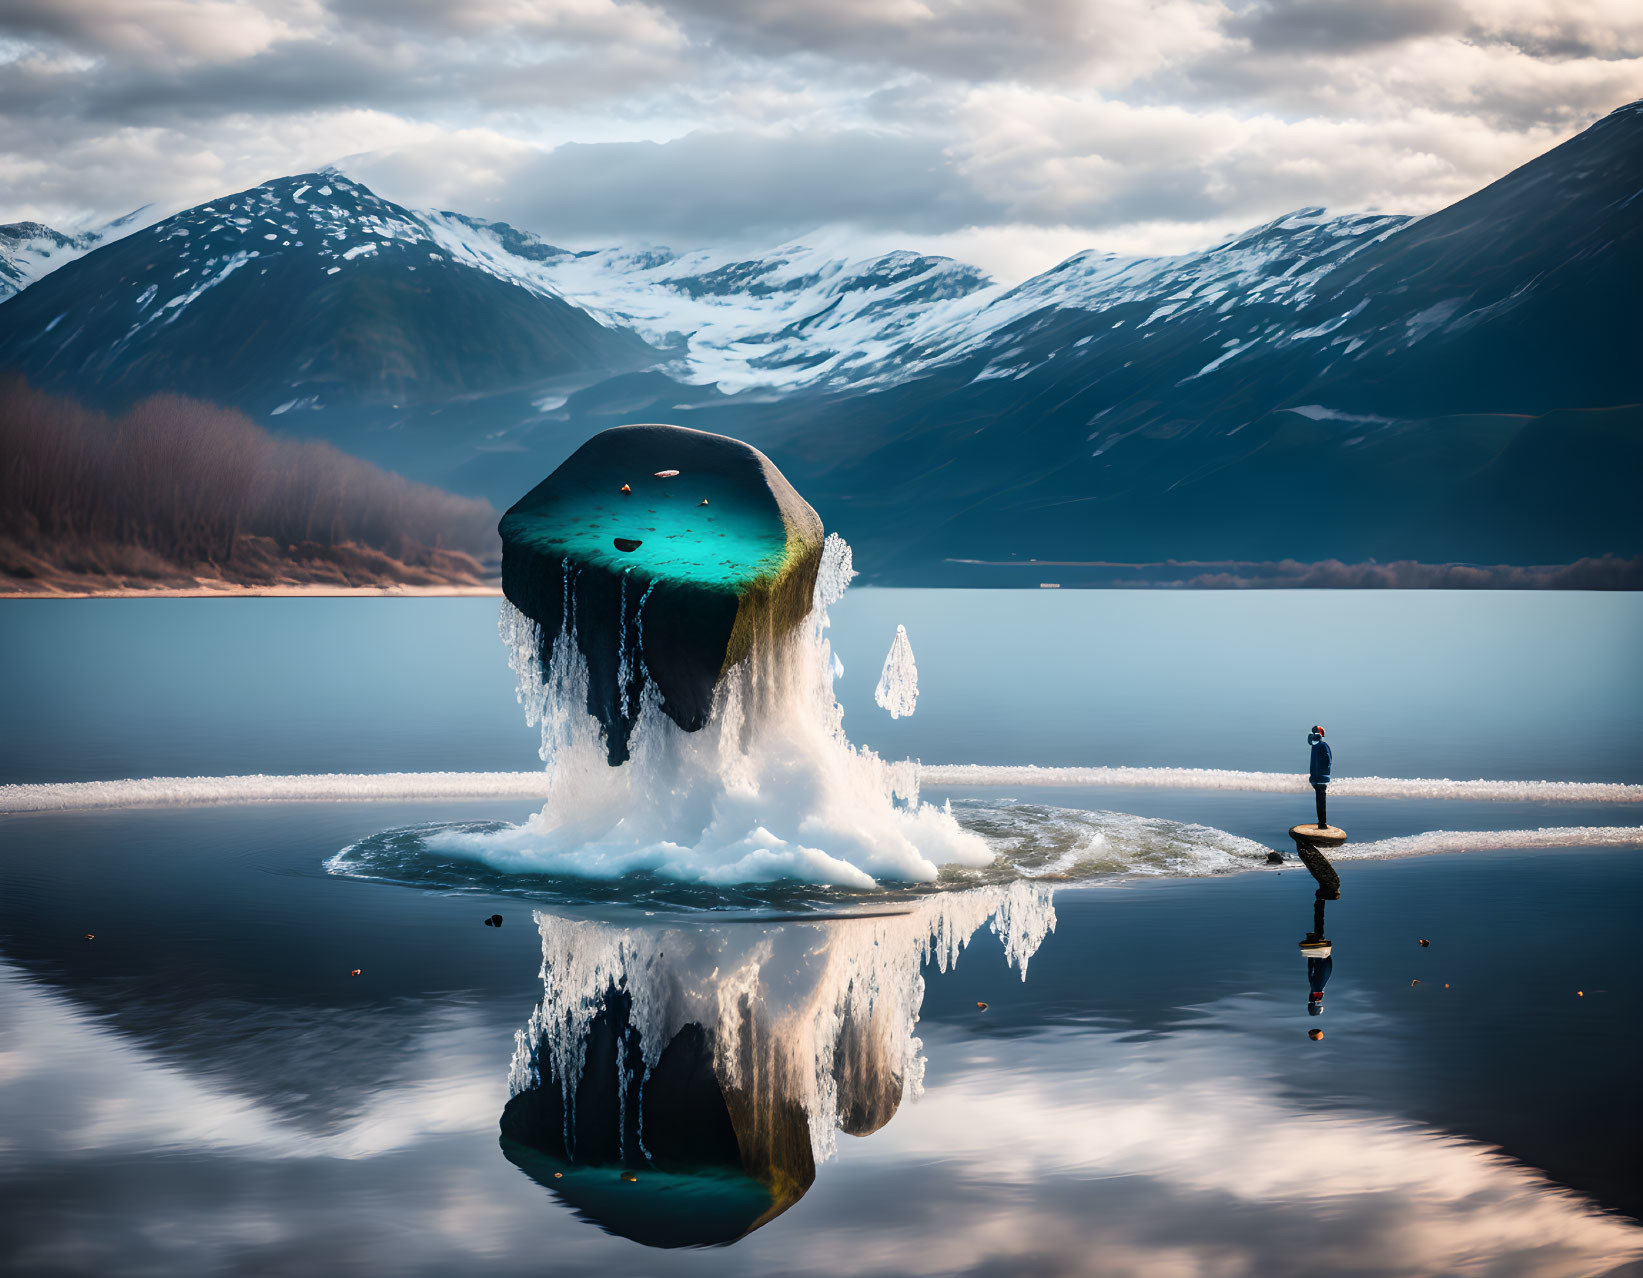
1404	402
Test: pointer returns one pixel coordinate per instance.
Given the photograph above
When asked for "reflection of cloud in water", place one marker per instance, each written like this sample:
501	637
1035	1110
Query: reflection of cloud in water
69	1082
1204	1166
1060	1152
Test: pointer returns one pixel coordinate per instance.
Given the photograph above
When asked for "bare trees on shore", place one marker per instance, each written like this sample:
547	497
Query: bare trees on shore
186	481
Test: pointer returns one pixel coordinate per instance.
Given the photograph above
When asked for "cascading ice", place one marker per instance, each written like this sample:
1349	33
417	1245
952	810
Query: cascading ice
768	788
667	612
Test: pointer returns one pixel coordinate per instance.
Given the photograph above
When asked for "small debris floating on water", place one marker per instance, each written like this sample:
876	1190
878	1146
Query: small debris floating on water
1314	1035
355	972
703	502
666	474
627	544
982	1006
1423	942
1580	993
559	1175
629	1177
627	488
494	921
1416	981
91	936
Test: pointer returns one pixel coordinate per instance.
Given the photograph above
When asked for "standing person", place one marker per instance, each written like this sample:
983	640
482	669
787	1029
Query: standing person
1322	757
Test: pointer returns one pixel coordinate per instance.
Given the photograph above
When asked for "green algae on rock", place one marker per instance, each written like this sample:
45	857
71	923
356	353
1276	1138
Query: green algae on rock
670	555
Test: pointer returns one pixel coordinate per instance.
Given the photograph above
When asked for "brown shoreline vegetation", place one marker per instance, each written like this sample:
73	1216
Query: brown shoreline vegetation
176	495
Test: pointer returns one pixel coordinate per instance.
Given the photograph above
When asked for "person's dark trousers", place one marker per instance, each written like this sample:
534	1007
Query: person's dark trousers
1321	791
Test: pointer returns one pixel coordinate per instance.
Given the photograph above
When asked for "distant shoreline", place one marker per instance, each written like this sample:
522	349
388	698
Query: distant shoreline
1607	574
1610	572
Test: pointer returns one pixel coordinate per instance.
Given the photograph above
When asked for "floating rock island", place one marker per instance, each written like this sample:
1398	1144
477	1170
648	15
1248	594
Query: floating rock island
675	552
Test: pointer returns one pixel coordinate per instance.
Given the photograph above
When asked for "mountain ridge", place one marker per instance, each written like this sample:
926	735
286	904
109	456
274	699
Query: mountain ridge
1410	377
361	304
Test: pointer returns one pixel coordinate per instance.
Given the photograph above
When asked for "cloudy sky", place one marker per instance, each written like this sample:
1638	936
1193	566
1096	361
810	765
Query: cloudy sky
1007	132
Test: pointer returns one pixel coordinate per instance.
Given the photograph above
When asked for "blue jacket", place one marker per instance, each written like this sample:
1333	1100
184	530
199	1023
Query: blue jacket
1322	757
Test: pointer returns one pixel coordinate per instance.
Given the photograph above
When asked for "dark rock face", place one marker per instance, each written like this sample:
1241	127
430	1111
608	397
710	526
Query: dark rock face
671	554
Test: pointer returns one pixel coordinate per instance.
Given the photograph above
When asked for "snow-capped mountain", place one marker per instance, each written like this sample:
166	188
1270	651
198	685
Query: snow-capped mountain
29	250
301	290
1466	385
794	317
799	317
1279	264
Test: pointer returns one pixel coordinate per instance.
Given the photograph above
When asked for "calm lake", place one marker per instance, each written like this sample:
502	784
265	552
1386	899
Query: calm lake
218	1055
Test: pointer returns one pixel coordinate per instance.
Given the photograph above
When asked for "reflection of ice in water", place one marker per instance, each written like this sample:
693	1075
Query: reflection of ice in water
769	789
897	690
814	1016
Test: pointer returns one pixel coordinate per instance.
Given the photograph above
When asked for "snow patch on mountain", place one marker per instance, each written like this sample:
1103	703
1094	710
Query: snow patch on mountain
1277	264
30	250
797	316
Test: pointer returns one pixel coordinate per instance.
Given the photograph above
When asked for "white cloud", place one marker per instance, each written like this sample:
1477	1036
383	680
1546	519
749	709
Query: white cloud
1023	128
165	33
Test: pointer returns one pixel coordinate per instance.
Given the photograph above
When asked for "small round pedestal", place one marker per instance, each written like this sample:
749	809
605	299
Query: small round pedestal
1310	842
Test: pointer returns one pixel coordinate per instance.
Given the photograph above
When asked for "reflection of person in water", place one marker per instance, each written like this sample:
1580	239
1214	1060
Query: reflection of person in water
1317	976
1320	959
1322	758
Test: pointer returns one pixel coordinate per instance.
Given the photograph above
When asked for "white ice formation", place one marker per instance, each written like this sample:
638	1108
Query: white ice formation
359	787
769	789
968	775
897	690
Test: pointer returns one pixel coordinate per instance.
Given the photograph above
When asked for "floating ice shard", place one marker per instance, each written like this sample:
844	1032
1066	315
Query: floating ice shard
667	556
898	684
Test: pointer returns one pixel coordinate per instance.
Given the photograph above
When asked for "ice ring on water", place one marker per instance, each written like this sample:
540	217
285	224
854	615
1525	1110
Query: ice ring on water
1023	842
361	787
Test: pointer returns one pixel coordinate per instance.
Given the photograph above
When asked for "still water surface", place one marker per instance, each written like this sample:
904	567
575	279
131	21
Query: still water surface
206	1086
1514	685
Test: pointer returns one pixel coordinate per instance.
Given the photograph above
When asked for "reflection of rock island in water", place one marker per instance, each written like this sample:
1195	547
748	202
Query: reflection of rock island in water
716	1065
